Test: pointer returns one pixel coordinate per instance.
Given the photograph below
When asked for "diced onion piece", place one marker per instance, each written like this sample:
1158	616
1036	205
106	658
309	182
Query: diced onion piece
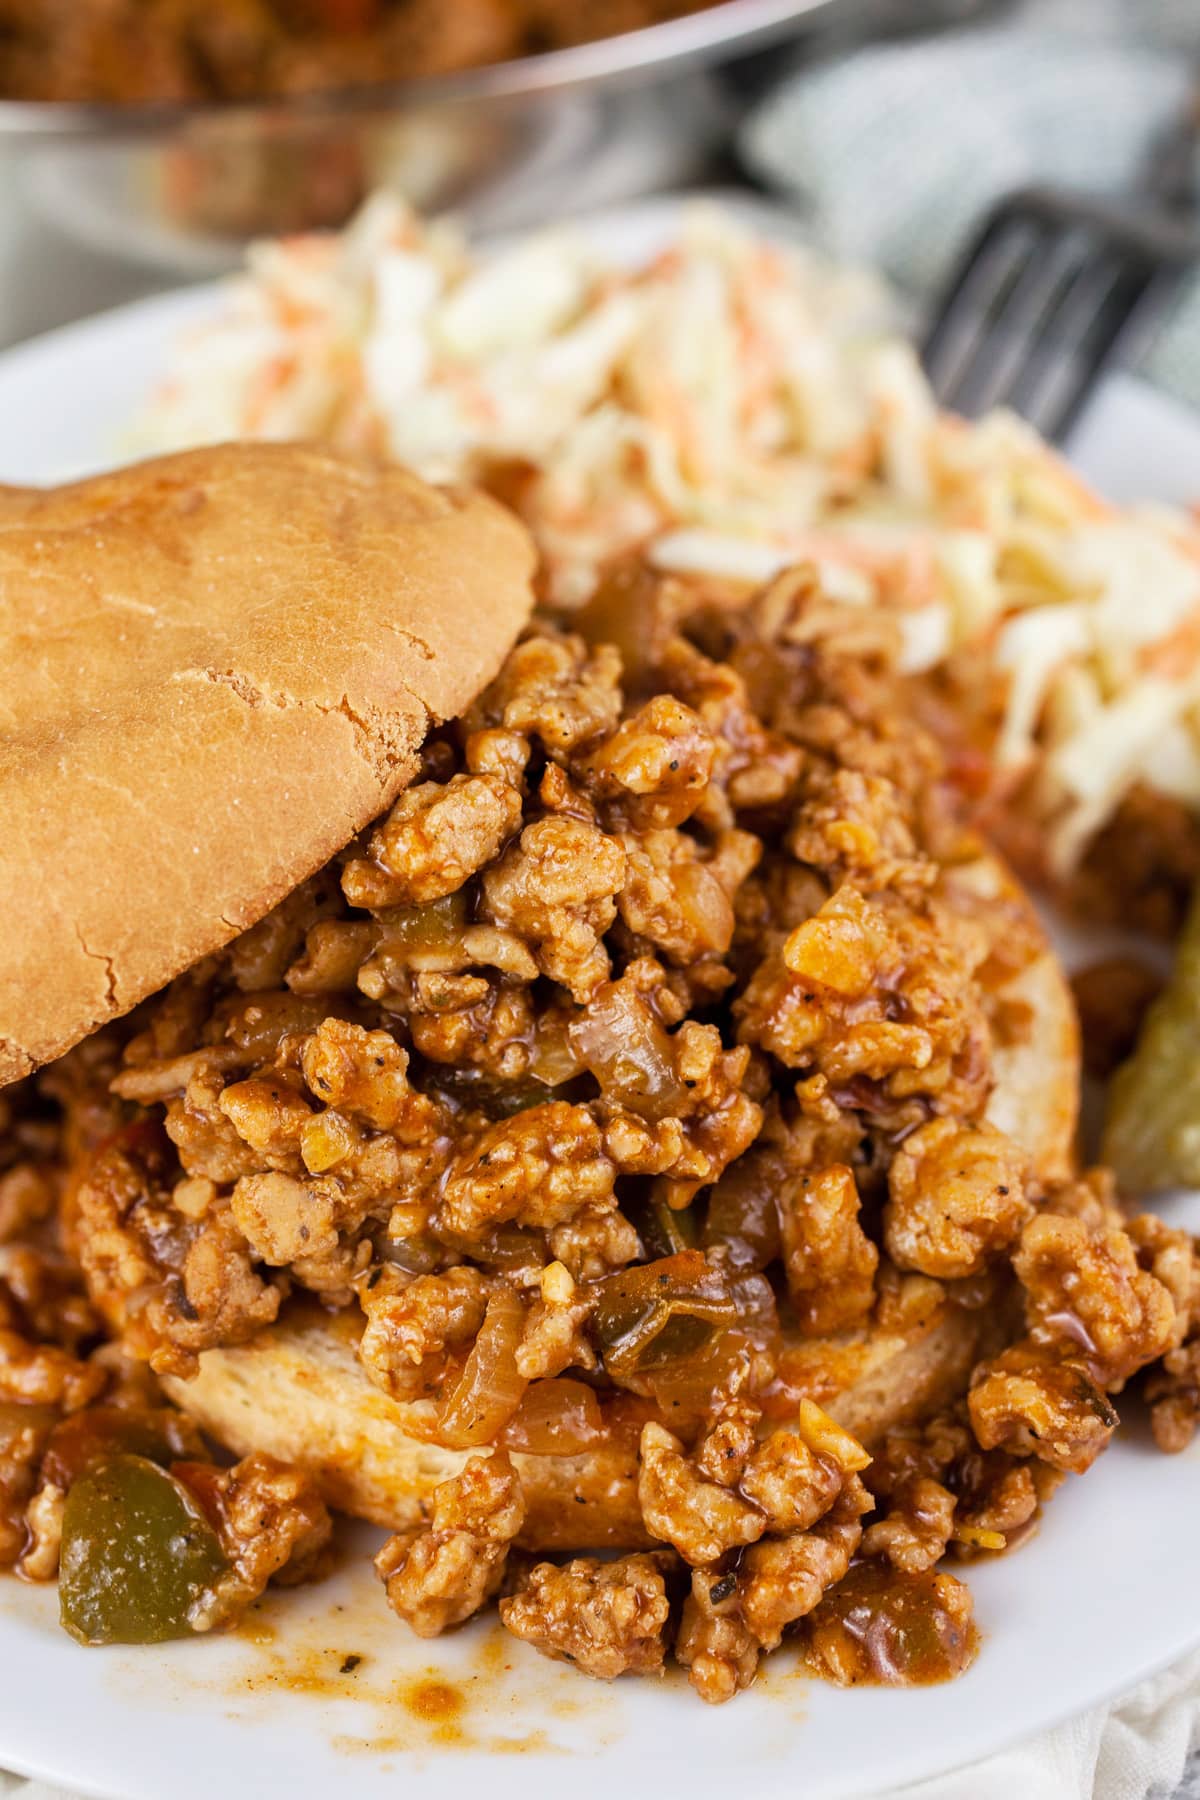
627	1050
489	1390
557	1417
743	1212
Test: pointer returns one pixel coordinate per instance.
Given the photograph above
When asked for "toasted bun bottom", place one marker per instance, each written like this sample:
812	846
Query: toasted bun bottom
298	1391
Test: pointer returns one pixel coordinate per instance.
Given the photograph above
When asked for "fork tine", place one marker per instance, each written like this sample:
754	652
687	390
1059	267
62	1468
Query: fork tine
1114	302
1018	325
1033	322
1036	389
1149	311
991	264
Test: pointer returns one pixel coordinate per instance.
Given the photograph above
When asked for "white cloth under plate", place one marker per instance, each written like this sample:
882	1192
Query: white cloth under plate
1136	1749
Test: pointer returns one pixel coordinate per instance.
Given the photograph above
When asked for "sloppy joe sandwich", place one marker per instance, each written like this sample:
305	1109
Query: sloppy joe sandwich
577	1096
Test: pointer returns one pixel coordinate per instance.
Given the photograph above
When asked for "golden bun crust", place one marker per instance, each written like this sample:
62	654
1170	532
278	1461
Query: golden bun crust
1035	1098
299	1391
219	666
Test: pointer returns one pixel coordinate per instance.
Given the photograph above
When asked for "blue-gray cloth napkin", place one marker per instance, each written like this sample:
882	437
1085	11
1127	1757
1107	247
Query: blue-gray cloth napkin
895	152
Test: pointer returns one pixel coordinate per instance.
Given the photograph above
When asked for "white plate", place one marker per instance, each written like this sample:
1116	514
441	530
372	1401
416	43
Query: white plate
1107	1593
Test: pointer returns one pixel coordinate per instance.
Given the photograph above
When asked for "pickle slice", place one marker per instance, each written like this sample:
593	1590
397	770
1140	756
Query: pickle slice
1152	1128
136	1555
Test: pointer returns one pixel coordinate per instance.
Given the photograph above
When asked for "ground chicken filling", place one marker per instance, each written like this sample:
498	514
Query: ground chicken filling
635	1060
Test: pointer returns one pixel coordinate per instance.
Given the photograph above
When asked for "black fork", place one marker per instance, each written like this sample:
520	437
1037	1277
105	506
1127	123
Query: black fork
1056	285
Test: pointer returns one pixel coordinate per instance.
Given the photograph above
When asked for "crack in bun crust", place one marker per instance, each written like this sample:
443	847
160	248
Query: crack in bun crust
219	666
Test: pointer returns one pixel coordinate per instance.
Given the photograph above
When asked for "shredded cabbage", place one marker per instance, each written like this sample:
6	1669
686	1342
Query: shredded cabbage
729	408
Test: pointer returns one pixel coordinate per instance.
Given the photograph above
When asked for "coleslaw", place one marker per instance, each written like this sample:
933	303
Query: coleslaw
729	408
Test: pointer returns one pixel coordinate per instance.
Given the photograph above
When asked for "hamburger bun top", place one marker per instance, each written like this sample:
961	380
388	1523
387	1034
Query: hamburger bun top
218	667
